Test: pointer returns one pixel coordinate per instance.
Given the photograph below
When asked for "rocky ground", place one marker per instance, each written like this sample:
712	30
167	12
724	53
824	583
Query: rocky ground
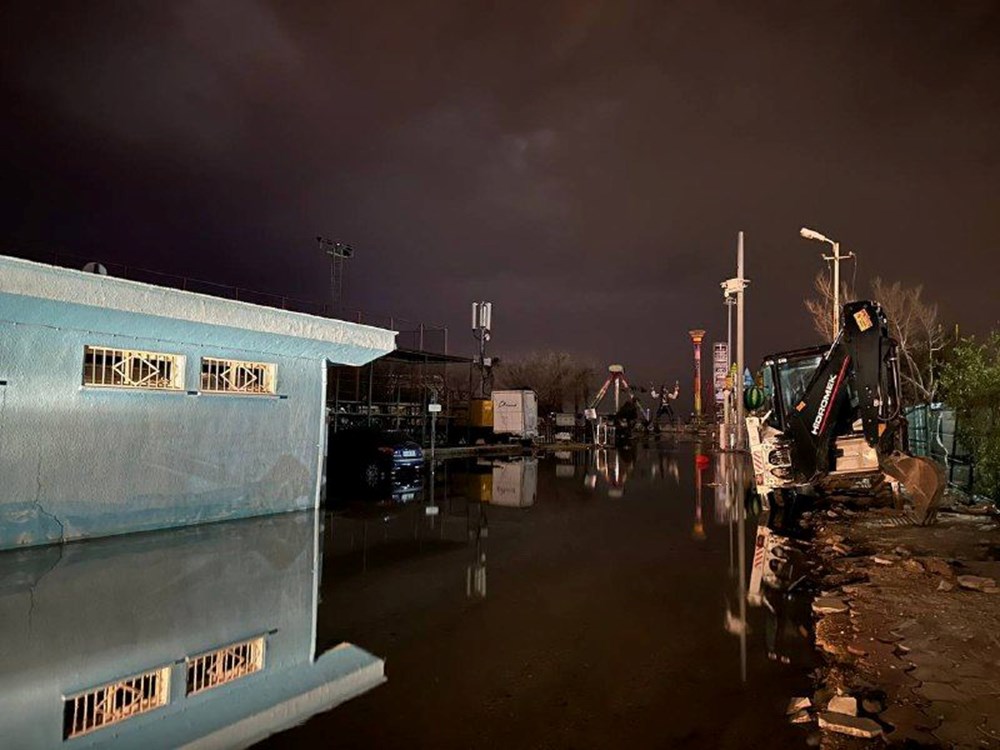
908	621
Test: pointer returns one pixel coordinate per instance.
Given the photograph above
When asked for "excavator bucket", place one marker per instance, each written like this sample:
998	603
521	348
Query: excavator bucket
923	479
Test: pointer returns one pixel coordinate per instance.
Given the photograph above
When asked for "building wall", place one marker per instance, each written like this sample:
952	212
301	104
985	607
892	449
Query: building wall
78	461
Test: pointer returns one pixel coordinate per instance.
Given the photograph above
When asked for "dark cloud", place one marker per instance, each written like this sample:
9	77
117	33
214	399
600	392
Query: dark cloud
585	165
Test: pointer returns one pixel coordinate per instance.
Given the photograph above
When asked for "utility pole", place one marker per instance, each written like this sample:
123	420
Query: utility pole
836	258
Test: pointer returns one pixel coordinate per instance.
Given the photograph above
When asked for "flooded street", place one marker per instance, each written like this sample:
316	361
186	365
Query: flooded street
582	600
577	600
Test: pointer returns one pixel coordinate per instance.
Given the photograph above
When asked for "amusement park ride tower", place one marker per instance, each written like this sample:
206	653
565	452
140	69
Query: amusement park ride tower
696	337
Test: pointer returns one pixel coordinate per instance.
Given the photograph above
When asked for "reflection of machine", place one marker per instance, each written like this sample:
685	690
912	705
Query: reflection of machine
776	583
614	466
835	415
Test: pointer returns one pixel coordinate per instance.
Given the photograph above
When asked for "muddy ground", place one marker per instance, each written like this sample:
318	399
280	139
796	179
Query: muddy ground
908	621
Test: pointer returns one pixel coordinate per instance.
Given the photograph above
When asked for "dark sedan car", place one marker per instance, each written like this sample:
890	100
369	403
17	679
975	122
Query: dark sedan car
367	458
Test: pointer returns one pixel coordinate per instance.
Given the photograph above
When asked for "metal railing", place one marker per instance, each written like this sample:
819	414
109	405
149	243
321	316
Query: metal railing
223	665
129	368
236	376
115	702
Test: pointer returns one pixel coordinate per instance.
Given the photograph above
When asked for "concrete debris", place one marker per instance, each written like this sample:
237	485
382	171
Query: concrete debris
924	665
797	704
938	566
885	559
829	605
800	717
843	704
978	583
851	725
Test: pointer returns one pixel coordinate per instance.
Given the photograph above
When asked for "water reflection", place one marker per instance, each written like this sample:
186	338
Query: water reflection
127	623
777	579
613	465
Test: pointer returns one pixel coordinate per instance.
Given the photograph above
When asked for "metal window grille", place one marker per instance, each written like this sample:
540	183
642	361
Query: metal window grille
235	376
127	368
224	665
115	702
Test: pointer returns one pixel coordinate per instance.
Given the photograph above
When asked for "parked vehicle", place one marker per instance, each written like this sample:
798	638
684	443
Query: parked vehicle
368	458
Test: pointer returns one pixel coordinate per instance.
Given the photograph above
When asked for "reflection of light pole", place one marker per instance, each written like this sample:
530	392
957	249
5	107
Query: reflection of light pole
696	336
811	234
736	287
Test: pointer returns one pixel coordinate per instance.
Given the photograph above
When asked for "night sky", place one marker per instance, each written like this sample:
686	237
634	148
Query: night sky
584	165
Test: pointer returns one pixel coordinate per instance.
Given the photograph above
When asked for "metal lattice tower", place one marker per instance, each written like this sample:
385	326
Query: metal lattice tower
338	252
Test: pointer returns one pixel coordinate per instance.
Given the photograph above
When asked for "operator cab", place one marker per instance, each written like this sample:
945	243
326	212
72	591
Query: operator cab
786	377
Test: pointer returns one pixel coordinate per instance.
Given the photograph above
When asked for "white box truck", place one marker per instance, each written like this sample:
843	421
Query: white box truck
515	413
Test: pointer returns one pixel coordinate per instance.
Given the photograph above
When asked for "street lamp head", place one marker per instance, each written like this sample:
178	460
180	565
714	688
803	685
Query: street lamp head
811	234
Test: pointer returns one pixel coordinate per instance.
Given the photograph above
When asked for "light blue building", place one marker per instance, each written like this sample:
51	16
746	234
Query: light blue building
202	637
128	407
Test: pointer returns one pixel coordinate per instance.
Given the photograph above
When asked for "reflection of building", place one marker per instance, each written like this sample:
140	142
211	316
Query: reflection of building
203	634
130	407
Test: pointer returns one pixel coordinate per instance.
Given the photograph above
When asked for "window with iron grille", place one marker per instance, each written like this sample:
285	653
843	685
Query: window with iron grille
128	368
115	702
236	376
224	665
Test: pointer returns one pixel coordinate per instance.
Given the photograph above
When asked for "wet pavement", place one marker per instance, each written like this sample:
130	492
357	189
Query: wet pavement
581	600
584	599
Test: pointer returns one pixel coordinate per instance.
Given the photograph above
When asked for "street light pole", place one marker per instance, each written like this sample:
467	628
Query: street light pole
733	288
740	364
811	234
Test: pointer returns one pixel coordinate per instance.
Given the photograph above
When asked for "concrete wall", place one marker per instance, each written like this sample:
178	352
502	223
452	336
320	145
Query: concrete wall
78	462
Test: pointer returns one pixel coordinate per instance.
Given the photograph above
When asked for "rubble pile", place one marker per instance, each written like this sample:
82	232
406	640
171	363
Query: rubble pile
908	622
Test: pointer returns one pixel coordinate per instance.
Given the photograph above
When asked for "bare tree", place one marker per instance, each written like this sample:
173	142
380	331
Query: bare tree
559	380
820	307
915	326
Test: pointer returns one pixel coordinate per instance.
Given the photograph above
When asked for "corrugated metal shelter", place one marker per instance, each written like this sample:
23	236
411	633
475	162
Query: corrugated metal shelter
126	406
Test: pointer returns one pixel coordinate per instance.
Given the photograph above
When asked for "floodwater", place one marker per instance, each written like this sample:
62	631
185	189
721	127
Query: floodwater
580	600
592	599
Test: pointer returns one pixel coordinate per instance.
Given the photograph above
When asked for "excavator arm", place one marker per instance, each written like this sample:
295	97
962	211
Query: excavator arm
857	380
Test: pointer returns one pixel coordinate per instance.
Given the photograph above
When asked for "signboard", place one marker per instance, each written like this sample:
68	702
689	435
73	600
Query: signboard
720	368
